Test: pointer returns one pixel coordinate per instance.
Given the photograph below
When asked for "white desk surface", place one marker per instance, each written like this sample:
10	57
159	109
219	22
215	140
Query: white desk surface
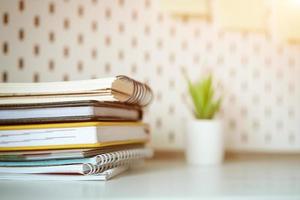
275	178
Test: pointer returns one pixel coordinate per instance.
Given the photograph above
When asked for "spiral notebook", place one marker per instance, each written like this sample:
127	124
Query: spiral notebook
63	153
114	89
100	159
84	166
104	176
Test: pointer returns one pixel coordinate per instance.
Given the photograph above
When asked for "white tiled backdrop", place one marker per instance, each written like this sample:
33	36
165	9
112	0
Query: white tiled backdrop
55	40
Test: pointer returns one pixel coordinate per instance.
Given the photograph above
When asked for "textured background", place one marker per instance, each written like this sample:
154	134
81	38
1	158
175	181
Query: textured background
71	40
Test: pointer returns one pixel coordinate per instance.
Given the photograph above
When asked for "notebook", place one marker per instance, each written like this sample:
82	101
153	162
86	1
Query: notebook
68	112
62	153
104	176
71	135
114	89
83	166
101	159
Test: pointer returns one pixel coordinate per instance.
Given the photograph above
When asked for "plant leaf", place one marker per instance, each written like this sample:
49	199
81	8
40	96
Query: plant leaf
196	98
202	94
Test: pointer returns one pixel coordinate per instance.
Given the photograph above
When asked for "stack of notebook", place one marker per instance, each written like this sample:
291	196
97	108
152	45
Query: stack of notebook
77	130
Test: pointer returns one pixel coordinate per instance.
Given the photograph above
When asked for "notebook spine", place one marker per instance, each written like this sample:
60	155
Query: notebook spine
116	159
142	93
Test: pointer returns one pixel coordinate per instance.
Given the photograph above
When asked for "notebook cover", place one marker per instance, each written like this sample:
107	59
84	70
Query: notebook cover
64	119
68	125
106	175
63	153
100	159
72	146
69	104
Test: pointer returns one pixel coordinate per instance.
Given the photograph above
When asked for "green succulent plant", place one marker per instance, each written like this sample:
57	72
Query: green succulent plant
202	93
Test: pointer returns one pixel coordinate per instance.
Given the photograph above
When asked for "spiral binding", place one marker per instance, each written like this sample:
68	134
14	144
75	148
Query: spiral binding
142	93
116	159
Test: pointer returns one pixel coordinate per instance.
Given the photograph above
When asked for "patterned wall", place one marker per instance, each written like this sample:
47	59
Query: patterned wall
55	40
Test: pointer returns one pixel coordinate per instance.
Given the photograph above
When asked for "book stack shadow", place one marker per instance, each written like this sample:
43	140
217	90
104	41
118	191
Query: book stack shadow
75	130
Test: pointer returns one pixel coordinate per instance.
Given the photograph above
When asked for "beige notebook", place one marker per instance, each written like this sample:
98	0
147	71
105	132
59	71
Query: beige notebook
71	135
119	88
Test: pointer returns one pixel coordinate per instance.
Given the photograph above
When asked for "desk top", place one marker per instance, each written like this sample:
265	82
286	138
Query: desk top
275	178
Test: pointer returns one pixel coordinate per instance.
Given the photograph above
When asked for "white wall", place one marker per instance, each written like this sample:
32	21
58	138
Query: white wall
259	79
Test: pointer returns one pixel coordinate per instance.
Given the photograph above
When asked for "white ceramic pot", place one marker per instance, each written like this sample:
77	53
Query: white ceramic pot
205	142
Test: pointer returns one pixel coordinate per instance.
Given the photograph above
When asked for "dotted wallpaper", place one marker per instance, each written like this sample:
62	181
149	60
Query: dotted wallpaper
54	40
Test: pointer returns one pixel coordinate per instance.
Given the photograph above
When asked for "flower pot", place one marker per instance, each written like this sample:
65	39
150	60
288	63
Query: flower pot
205	143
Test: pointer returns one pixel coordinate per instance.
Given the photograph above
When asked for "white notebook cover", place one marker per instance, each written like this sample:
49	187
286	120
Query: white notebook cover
106	175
